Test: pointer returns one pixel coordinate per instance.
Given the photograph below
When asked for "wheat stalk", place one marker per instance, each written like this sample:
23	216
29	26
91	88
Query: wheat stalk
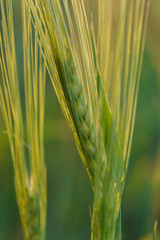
30	181
96	80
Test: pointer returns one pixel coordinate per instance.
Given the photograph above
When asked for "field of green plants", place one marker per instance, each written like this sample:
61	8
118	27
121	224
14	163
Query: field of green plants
74	211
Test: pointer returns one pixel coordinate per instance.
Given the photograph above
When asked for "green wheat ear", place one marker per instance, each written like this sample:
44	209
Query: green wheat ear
30	182
96	79
67	77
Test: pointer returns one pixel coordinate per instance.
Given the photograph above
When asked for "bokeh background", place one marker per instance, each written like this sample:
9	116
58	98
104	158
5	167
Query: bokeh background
69	191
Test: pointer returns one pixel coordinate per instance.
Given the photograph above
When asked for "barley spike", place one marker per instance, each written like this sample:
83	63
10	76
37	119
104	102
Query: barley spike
29	215
79	109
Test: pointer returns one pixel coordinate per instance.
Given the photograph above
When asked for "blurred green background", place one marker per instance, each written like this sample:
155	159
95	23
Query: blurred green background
69	192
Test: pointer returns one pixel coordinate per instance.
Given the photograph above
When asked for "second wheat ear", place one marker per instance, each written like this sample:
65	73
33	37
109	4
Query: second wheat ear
27	150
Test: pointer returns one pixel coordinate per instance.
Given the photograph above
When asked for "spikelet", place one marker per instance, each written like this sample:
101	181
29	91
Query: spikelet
29	216
79	111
